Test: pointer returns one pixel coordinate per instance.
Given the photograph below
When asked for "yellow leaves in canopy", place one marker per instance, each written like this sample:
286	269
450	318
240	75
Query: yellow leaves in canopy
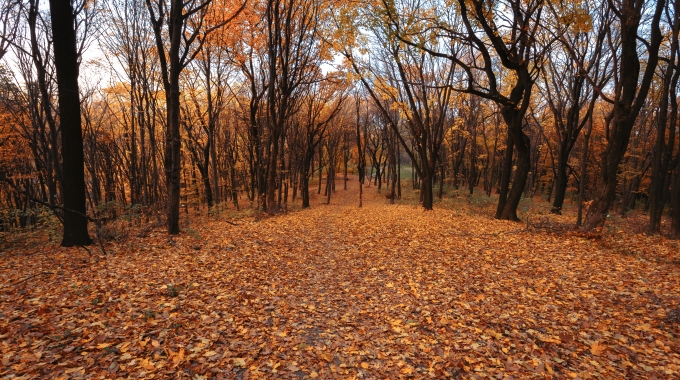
574	15
229	12
345	33
385	90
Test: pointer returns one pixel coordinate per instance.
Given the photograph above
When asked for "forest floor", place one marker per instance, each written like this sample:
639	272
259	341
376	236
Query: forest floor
337	291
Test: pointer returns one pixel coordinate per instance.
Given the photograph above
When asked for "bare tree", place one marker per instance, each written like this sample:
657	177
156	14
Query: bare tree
666	120
9	23
293	44
629	95
180	29
501	47
568	94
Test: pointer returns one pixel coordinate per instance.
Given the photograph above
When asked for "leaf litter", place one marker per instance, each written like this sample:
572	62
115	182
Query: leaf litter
342	292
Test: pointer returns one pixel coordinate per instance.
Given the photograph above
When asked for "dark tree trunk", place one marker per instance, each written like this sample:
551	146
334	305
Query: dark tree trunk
73	171
304	178
330	174
204	169
234	189
361	158
320	168
633	93
440	192
426	191
560	180
172	135
345	157
398	172
170	69
519	180
506	171
584	172
663	152
675	202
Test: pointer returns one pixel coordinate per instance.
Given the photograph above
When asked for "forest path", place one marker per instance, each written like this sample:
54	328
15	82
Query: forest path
337	291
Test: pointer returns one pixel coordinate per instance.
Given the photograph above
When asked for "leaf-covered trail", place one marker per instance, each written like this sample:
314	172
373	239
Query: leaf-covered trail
386	291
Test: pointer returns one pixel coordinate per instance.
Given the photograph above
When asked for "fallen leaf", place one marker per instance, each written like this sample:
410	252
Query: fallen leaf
596	348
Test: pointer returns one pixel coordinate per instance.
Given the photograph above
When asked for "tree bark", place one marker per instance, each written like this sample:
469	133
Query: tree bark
172	135
584	172
663	151
560	180
426	191
73	171
304	178
506	171
627	105
675	203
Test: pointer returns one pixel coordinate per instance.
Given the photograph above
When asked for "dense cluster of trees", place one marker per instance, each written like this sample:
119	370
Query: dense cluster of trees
232	102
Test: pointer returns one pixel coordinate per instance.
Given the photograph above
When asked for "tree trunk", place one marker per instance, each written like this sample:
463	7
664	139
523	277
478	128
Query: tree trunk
271	174
320	168
675	203
330	174
518	182
73	171
172	153
584	172
505	176
304	178
561	180
514	120
426	191
345	159
398	172
627	105
663	151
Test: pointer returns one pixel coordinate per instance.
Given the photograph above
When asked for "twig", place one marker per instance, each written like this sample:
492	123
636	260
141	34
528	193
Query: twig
87	250
4	178
99	237
26	279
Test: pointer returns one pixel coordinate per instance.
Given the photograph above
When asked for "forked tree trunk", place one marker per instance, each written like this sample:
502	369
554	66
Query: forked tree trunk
633	93
514	119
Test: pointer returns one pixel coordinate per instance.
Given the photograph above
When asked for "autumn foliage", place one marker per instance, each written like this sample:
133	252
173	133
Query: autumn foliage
376	189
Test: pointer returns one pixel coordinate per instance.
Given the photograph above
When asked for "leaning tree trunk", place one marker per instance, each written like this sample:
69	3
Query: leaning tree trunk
519	180
561	180
633	94
73	171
